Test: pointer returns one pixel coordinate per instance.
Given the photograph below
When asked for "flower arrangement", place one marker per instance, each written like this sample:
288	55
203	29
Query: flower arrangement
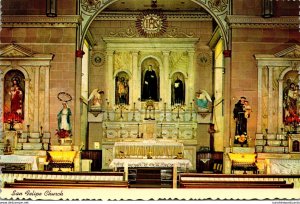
63	133
242	139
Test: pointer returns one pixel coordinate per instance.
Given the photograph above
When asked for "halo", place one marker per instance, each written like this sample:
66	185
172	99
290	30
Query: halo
65	97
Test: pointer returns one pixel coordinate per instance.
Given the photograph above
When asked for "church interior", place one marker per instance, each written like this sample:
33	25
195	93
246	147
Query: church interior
150	94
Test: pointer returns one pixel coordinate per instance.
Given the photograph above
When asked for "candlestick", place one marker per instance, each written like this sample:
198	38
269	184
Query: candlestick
191	118
133	116
161	130
138	133
107	112
165	108
41	138
28	133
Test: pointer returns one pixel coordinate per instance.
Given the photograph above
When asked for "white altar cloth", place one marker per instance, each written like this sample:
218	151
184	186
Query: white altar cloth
183	163
156	149
284	166
19	159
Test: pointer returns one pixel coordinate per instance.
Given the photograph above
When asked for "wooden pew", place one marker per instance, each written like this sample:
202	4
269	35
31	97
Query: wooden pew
63	185
235	185
59	181
196	180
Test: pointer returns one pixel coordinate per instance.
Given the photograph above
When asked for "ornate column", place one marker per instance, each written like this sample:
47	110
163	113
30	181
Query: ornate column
259	99
227	140
270	99
26	102
46	97
77	116
135	83
280	108
35	127
166	83
110	76
190	91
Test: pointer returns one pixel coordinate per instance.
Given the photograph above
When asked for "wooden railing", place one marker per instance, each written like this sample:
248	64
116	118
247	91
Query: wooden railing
235	184
61	184
10	176
193	180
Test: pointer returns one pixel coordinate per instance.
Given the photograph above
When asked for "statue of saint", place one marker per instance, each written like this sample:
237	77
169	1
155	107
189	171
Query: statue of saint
64	121
178	92
202	100
150	85
96	98
239	117
16	100
122	91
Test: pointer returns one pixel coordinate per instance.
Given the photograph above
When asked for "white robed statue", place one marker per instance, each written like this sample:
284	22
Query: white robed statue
96	98
202	100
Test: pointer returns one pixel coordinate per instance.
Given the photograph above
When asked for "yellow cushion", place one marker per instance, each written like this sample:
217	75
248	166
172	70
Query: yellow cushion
62	156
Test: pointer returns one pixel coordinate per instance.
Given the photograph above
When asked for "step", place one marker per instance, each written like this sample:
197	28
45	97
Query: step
272	149
271	142
148	176
157	181
31	146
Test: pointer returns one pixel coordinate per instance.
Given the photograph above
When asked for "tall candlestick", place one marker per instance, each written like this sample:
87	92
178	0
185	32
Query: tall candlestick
107	112
165	108
191	118
28	133
133	116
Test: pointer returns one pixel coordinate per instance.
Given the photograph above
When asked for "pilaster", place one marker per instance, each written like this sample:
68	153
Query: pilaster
166	81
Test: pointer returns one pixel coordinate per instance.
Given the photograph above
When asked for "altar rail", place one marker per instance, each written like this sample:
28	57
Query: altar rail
194	177
59	183
11	176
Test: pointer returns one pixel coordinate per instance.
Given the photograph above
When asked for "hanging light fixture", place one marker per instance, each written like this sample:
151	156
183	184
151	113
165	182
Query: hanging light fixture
267	8
51	8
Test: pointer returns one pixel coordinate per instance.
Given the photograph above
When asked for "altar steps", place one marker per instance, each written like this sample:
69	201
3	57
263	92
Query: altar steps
150	178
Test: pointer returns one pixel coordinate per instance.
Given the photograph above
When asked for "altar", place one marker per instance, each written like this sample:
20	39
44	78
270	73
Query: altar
29	161
175	163
148	148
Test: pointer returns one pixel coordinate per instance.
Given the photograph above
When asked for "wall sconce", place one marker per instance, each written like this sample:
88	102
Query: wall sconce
51	8
267	8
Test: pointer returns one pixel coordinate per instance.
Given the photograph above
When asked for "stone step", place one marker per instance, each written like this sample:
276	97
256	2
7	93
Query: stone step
31	152
32	140
271	142
272	149
35	135
31	146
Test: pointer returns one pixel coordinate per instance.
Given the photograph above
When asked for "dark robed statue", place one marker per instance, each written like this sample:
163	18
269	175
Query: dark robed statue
150	85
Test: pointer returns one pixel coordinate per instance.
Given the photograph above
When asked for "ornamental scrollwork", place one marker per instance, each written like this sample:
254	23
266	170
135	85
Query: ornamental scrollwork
218	5
91	6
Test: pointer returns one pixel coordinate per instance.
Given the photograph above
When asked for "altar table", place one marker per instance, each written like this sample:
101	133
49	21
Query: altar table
155	149
125	163
20	159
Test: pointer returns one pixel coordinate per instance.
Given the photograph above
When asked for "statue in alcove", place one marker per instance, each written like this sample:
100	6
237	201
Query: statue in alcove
202	100
14	98
290	103
96	98
150	84
122	89
178	91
